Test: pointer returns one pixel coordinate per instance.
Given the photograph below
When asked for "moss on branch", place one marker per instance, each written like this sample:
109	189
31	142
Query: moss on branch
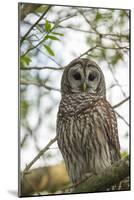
109	177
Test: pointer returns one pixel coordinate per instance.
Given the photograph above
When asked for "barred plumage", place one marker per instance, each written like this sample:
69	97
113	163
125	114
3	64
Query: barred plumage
86	124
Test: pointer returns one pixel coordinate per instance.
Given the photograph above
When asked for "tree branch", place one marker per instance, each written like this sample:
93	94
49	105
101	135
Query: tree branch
109	177
41	68
40	18
39	84
102	47
91	49
115	79
120	103
55	178
121	117
115	35
39	155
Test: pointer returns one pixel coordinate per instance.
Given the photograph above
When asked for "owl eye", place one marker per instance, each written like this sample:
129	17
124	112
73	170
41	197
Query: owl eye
77	76
91	76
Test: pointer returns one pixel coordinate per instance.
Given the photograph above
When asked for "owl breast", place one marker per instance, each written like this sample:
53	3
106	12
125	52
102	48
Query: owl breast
82	136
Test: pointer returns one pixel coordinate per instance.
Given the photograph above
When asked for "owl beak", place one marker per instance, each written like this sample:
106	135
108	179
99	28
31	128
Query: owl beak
84	87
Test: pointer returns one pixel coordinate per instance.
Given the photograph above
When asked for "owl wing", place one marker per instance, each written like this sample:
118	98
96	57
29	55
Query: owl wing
104	115
104	122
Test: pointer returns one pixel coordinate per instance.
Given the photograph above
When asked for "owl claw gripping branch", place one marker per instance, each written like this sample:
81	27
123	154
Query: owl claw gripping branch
86	125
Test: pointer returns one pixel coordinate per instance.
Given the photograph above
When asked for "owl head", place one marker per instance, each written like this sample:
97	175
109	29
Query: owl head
83	76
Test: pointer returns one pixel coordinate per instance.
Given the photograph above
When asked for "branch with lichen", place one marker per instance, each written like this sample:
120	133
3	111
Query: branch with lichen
107	178
42	180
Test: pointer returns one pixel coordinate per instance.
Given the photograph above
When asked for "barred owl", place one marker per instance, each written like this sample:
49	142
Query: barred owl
86	123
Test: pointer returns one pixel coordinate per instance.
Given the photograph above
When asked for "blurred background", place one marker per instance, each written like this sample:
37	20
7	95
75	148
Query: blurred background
49	38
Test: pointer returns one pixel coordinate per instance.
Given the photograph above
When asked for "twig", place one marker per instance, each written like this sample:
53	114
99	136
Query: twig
110	47
94	28
91	49
39	84
103	47
51	58
120	103
121	117
89	23
76	29
68	17
39	155
41	41
23	140
115	79
117	35
41	68
27	33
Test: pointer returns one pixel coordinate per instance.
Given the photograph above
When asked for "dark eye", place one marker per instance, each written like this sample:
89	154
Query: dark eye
91	76
77	76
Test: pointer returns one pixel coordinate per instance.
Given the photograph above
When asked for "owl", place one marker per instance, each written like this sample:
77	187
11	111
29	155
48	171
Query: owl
87	133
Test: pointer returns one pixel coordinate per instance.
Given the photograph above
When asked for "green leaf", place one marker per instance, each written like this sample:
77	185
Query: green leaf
47	26
50	51
51	37
25	60
55	33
